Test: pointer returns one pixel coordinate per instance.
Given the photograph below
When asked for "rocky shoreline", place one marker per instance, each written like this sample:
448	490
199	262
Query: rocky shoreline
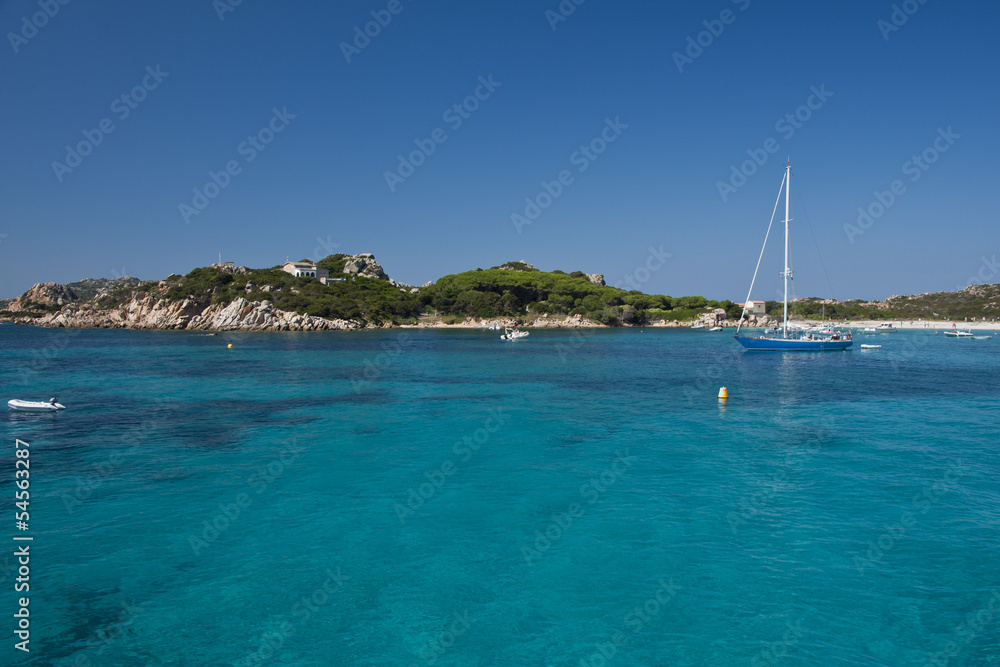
150	312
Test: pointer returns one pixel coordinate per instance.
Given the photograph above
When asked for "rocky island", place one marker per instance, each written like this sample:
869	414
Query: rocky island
349	292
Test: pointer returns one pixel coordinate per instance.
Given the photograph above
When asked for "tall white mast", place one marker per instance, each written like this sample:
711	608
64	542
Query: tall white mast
787	272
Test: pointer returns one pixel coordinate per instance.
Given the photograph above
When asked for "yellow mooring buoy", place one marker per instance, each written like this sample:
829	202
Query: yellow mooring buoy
230	345
723	394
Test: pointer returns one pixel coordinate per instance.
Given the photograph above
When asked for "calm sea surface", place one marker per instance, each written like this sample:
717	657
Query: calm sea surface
445	498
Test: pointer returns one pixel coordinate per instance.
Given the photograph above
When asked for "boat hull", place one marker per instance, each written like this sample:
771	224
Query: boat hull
791	344
34	406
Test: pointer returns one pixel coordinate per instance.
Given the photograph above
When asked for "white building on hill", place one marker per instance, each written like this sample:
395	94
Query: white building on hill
306	270
755	308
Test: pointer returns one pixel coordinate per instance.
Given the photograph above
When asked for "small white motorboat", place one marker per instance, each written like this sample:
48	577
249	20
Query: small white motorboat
870	347
958	333
699	325
716	329
887	328
35	406
869	330
512	334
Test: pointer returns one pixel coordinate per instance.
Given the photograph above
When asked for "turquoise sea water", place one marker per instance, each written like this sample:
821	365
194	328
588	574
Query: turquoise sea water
445	498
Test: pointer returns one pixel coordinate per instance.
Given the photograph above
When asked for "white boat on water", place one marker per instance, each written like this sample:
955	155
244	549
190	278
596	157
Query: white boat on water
869	330
870	347
513	334
887	328
716	329
35	406
958	333
698	326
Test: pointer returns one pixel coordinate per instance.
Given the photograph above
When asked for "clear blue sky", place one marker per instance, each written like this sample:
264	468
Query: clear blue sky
323	176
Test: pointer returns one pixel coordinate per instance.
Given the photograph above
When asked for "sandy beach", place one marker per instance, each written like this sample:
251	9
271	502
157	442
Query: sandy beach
578	322
924	325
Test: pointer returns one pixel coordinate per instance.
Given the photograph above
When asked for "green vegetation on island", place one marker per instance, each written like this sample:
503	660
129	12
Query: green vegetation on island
512	290
516	289
972	303
359	298
359	290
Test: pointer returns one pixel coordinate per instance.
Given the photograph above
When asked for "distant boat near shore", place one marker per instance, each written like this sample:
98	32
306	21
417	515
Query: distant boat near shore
513	334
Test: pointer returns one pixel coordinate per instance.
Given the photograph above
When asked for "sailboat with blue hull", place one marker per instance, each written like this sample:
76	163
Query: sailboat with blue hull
763	344
783	340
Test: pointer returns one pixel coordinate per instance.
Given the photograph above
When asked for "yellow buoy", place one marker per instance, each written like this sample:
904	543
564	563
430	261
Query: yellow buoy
230	345
723	394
